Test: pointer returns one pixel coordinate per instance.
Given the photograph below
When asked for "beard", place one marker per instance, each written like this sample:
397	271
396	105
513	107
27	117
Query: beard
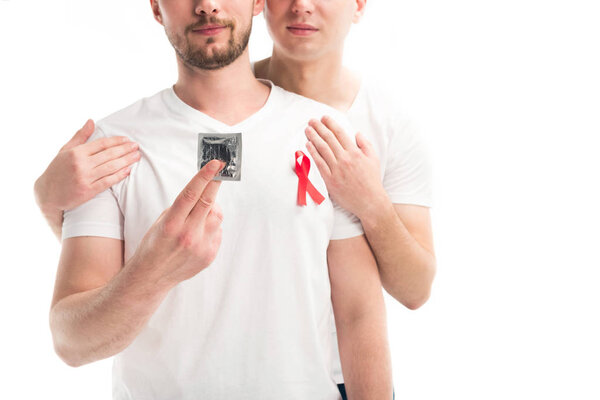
211	59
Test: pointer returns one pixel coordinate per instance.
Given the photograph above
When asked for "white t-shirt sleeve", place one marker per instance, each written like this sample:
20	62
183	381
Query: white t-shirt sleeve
99	216
408	177
345	224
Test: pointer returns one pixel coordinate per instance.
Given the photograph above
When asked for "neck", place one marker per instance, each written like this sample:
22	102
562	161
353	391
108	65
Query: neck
324	79
229	94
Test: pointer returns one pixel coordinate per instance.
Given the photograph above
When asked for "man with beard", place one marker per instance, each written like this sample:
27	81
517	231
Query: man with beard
133	277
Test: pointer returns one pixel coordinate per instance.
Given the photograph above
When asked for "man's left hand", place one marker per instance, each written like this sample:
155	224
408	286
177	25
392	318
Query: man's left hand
350	170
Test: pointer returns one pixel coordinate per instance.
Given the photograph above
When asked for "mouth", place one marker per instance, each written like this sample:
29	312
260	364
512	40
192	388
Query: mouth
302	29
209	30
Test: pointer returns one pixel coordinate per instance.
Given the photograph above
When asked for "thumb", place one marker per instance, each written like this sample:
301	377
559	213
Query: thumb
82	135
364	145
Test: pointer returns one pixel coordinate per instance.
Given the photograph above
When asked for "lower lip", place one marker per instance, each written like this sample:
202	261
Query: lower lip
210	31
302	32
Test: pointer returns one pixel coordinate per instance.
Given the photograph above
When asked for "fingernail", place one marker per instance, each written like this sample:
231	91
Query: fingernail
215	165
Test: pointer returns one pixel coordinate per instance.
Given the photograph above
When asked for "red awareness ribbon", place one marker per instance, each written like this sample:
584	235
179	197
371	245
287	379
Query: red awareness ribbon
304	184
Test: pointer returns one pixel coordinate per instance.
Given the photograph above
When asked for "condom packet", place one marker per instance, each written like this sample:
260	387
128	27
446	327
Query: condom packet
226	147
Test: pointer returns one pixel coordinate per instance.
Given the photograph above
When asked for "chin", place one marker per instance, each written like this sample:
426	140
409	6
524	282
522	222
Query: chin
302	51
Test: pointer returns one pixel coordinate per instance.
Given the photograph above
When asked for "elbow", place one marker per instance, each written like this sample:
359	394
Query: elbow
66	357
66	354
415	295
61	347
416	302
421	296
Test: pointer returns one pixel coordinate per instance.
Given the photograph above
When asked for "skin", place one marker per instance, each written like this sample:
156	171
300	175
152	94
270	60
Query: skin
82	170
100	303
400	235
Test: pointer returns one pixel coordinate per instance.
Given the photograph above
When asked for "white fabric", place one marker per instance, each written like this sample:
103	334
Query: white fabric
256	324
406	168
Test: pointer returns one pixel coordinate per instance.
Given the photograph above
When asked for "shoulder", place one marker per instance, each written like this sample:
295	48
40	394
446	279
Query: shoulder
306	108
381	104
259	68
381	98
125	120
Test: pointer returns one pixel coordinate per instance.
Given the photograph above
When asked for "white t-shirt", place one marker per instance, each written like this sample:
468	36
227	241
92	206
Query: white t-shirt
405	163
256	324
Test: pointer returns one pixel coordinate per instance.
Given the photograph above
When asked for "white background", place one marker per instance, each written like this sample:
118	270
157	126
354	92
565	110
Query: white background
507	94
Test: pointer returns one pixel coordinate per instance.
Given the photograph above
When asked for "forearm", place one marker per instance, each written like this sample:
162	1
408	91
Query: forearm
365	356
53	215
360	319
406	268
102	322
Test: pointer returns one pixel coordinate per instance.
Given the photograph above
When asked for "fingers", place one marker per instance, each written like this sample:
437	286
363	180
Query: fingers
321	164
325	137
99	145
107	181
217	211
338	132
205	205
82	135
364	145
214	218
112	159
321	147
113	166
191	194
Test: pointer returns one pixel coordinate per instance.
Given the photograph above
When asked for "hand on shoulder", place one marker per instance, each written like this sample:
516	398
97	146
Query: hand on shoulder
83	169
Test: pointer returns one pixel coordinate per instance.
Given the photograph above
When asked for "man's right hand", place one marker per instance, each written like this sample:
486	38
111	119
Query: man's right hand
186	236
100	305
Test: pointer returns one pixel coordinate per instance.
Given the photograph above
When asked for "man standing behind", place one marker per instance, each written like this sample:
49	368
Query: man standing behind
384	177
256	324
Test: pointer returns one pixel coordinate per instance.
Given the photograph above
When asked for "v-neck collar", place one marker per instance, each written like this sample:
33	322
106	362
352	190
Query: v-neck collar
358	97
182	108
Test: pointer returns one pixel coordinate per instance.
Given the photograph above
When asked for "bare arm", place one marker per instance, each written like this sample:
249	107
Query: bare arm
401	238
360	319
400	235
53	215
100	306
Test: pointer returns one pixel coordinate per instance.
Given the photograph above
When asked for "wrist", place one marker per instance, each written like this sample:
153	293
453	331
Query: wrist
147	276
379	208
41	198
